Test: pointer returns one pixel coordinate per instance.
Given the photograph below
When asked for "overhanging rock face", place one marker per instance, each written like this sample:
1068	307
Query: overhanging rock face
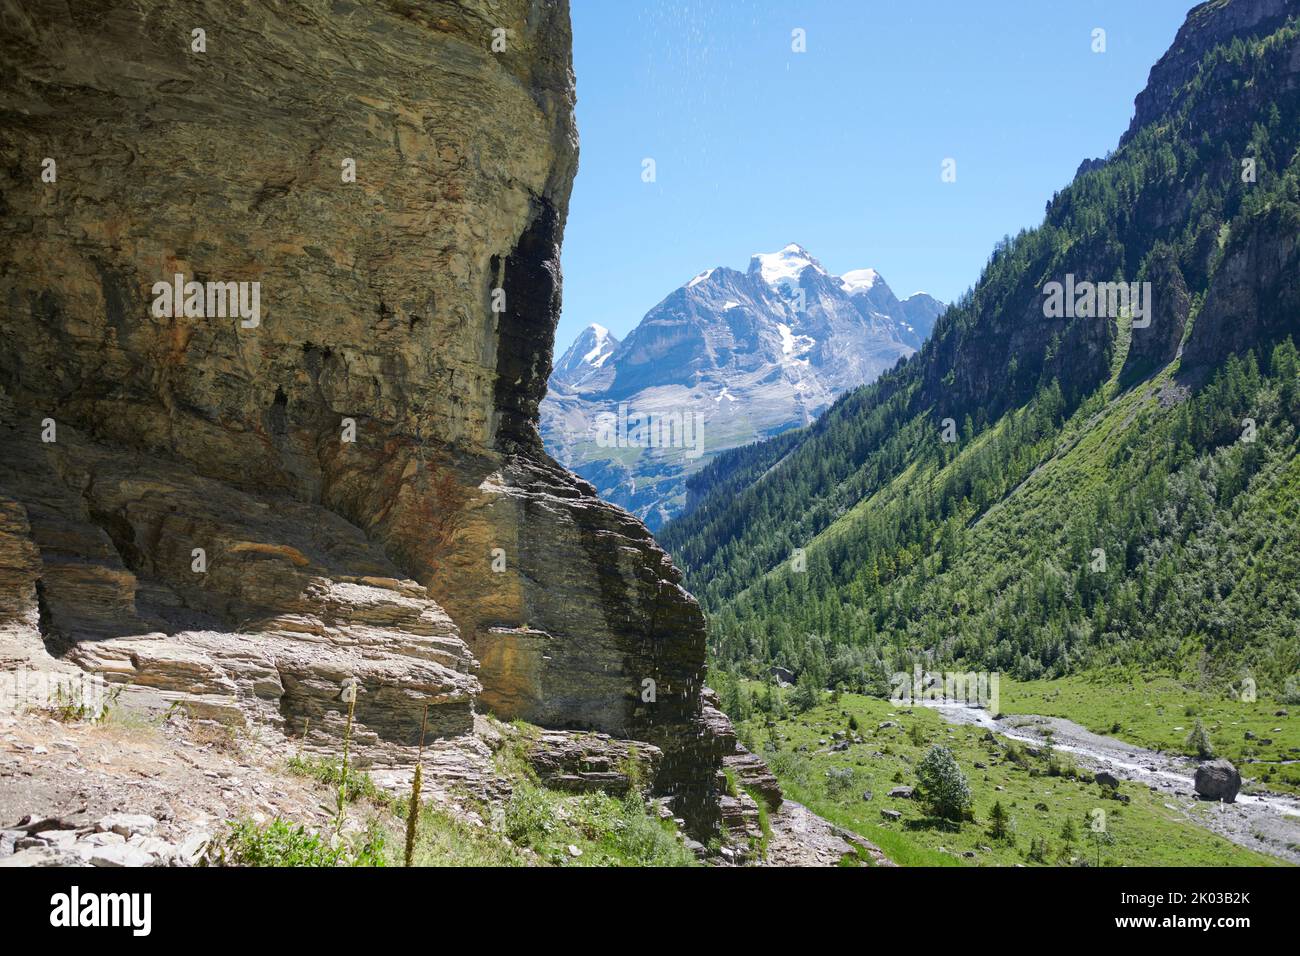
354	454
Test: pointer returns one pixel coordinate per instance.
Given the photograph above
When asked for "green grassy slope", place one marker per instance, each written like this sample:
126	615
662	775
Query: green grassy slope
1040	806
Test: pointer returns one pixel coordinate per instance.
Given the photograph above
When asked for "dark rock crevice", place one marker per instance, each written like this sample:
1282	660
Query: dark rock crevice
530	277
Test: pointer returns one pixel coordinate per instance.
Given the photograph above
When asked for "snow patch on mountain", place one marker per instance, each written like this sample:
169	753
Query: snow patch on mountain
859	280
785	267
586	356
792	346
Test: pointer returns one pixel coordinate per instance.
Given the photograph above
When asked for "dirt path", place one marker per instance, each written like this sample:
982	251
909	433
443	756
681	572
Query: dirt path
188	779
802	838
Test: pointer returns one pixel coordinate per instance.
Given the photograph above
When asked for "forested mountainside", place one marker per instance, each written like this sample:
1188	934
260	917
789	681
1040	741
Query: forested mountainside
1114	490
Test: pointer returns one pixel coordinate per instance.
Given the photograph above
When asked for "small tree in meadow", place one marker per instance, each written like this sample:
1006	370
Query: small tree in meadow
1198	741
998	822
807	694
942	785
1068	836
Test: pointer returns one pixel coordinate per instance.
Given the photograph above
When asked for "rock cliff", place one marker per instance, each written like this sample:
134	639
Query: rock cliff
238	510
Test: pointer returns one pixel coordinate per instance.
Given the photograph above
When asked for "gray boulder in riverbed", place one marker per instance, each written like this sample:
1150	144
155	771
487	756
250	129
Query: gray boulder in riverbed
1217	780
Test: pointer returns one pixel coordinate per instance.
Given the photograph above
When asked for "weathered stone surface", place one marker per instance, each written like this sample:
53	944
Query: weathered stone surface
752	774
588	761
1217	780
127	824
120	854
293	601
801	838
326	559
740	822
42	856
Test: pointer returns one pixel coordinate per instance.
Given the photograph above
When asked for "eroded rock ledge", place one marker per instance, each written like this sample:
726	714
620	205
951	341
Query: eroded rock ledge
439	559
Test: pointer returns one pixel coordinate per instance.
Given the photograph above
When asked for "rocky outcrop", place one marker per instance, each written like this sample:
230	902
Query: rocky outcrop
1154	347
753	776
358	461
583	762
1209	24
1253	298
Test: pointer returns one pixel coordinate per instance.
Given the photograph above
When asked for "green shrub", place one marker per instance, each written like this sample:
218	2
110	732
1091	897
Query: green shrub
280	843
1198	742
360	785
942	785
840	782
528	817
791	765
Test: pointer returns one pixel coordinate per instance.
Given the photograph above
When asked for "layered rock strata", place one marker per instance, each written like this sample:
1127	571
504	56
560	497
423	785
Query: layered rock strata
357	457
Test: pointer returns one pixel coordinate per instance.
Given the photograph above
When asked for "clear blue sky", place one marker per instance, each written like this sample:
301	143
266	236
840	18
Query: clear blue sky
839	148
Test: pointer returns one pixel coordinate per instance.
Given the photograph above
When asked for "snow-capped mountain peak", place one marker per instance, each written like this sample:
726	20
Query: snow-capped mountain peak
751	353
587	355
784	267
599	350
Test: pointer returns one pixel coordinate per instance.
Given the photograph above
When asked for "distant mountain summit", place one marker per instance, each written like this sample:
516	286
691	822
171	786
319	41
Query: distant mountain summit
585	357
747	354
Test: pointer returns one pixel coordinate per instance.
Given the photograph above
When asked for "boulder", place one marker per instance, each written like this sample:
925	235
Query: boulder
1217	780
1106	779
119	855
586	762
902	793
41	856
127	824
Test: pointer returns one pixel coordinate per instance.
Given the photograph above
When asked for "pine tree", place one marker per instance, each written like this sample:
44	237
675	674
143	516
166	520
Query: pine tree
998	822
1198	742
942	785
